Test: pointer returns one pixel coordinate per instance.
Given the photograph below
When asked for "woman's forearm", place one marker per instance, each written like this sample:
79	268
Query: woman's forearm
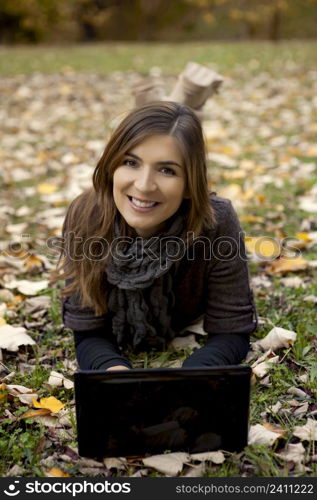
222	349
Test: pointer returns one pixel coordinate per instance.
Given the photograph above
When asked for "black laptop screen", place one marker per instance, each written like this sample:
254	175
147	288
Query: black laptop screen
151	411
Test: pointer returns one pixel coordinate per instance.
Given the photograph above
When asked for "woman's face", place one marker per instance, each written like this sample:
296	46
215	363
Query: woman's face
153	172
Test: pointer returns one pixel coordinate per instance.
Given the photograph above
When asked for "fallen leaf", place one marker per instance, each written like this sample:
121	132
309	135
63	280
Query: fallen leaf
183	343
258	434
311	298
303	409
275	428
11	337
46	188
293	453
263	248
115	463
307	432
57	379
24	394
51	403
261	369
276	339
56	472
217	457
196	470
295	391
28	287
293	282
169	464
36	413
284	265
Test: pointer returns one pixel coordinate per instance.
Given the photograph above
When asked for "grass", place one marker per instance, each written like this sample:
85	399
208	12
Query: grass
280	306
106	57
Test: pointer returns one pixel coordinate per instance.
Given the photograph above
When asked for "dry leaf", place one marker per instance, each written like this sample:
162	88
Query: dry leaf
57	380
196	470
276	339
297	392
217	457
303	409
284	265
258	434
169	464
56	472
293	453
115	463
307	432
263	248
24	394
42	412
11	337
261	369
28	287
46	188
275	428
183	343
293	282
51	403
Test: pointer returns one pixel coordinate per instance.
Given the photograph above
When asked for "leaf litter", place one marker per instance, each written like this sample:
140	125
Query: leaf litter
53	130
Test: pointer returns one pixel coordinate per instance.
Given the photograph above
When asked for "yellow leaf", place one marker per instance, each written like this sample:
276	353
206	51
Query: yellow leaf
46	188
56	472
3	392
51	403
2	321
32	263
263	247
303	236
283	265
251	218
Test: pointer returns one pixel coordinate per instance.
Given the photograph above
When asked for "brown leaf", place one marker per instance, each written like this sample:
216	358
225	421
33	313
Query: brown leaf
284	265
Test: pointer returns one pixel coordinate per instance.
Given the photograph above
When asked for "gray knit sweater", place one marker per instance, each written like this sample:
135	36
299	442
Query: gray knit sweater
212	280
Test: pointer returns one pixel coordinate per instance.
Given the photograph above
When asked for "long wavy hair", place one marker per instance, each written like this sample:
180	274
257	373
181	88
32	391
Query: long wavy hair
90	217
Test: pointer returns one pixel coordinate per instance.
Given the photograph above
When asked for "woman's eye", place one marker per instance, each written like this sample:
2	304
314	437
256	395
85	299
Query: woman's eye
168	171
129	163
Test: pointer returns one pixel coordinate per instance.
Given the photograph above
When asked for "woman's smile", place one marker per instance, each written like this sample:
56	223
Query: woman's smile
143	206
149	185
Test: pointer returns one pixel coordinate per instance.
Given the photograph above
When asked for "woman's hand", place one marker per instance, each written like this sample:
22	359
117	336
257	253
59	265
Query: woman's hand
117	367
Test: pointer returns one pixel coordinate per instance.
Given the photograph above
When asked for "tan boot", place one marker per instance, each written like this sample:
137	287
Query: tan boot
147	91
194	85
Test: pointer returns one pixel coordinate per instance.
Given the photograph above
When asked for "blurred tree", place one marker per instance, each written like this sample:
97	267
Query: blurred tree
87	20
28	20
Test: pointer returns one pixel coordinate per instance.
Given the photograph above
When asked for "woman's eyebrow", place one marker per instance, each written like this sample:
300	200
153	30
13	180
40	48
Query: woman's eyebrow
167	162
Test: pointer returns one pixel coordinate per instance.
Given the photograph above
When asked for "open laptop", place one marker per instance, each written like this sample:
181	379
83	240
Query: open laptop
150	411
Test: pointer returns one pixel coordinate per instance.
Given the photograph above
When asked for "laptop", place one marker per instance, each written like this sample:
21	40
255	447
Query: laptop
150	411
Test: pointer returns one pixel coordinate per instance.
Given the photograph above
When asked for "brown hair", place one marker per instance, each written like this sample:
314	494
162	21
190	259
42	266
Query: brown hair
91	215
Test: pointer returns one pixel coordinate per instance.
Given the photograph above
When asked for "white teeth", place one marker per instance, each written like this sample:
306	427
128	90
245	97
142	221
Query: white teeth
142	203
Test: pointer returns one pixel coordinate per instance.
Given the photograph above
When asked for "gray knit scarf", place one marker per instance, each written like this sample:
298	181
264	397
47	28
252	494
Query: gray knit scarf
142	298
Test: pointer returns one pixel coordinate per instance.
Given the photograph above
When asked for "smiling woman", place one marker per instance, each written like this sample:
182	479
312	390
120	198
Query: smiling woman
149	187
150	203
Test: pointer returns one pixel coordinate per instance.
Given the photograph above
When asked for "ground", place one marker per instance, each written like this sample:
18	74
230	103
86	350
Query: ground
59	107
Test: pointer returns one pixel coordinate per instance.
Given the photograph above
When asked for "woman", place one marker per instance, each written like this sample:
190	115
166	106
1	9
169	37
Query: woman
148	250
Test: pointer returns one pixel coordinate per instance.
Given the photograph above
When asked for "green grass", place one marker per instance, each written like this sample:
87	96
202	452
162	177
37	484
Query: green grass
171	57
280	306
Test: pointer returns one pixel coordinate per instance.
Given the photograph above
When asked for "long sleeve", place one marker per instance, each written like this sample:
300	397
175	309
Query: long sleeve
230	314
222	349
96	352
230	304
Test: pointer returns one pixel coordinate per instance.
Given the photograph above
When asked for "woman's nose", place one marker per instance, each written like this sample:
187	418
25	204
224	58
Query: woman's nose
145	180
